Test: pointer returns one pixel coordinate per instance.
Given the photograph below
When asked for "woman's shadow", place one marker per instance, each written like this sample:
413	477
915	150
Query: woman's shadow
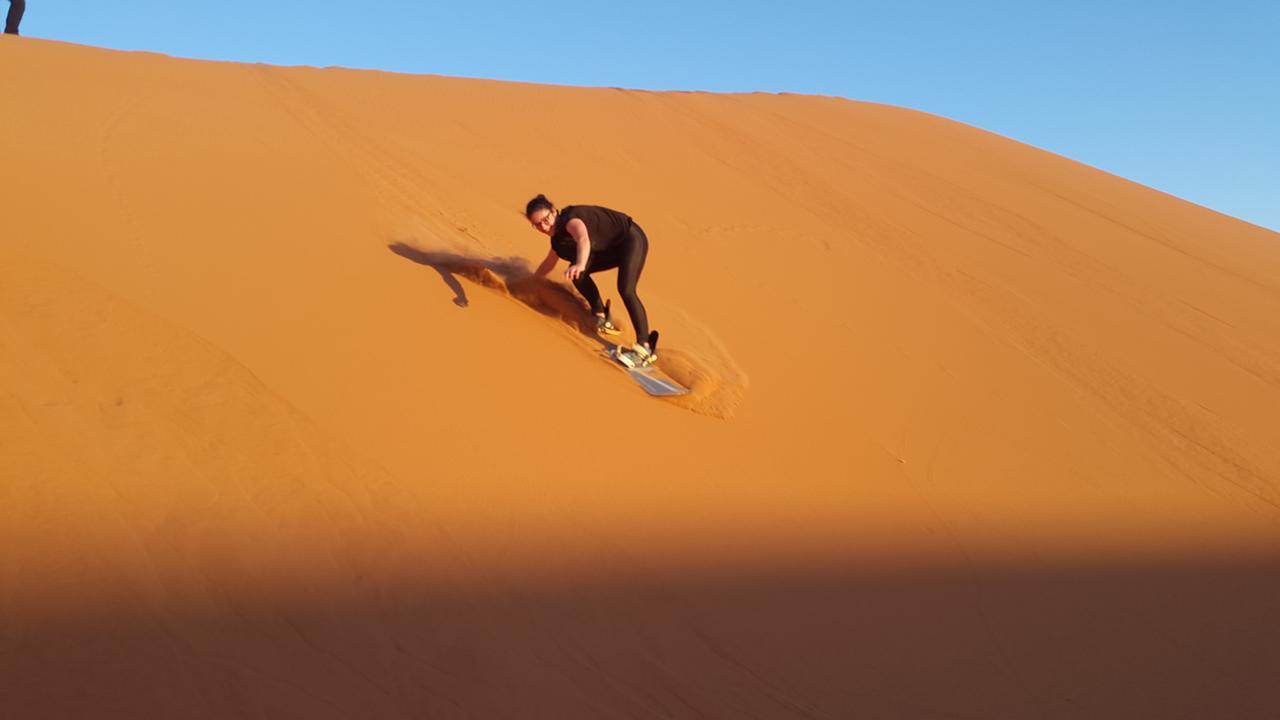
512	277
435	263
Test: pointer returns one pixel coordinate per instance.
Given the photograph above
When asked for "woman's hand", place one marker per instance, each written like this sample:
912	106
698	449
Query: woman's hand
575	271
545	266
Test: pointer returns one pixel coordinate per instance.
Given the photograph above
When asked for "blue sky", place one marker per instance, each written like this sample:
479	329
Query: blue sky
1180	95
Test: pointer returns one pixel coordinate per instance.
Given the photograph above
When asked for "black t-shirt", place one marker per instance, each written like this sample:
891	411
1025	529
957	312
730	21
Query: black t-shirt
606	228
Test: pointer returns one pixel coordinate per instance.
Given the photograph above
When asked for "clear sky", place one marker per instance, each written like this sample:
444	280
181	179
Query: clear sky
1181	95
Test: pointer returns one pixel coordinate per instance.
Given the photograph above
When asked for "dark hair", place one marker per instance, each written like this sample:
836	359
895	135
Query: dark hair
537	204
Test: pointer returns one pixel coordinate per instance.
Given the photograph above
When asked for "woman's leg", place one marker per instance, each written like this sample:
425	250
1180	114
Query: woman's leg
587	287
603	260
634	251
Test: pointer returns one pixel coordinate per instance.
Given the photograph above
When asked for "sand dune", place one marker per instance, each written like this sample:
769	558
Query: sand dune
287	430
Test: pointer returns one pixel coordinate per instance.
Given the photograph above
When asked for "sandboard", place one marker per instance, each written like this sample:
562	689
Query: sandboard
651	379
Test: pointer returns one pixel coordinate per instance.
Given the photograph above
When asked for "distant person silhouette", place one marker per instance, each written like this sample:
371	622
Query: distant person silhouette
16	8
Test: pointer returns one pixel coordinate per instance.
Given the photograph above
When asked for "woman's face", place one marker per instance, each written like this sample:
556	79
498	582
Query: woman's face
543	220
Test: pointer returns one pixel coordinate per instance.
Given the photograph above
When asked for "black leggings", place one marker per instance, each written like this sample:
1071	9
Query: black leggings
15	16
628	256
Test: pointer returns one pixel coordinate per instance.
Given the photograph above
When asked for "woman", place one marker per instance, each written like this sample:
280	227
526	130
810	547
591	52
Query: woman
594	238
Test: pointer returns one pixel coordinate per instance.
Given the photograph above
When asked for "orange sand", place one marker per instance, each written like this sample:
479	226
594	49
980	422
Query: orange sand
975	430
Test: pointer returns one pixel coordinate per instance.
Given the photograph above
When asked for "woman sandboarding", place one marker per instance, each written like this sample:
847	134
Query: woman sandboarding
594	238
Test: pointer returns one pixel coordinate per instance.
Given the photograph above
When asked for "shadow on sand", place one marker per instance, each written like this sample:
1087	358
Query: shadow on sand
510	276
716	389
1156	641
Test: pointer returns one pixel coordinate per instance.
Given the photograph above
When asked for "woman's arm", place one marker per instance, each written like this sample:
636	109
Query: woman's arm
547	263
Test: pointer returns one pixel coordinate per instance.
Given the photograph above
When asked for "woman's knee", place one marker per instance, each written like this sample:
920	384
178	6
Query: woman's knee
627	286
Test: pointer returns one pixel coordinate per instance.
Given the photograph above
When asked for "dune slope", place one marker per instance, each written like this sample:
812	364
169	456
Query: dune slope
287	430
